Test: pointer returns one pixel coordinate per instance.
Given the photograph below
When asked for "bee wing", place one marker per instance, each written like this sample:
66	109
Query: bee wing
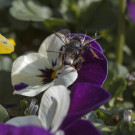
65	32
63	35
5	45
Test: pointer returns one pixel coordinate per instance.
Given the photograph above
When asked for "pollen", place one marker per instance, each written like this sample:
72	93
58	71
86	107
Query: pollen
53	75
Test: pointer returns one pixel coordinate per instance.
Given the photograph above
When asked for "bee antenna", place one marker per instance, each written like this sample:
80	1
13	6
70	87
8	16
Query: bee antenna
92	39
84	37
95	38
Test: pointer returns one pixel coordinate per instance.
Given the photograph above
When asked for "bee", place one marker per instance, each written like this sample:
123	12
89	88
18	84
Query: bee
73	48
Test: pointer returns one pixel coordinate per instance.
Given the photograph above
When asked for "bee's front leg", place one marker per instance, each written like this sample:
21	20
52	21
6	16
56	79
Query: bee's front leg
93	53
61	49
78	62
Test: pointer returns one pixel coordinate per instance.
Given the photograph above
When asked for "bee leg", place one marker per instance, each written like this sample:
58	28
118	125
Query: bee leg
62	64
81	60
62	37
72	66
78	63
61	50
94	54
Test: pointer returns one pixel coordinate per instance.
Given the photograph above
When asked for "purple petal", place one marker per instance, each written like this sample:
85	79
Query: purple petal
131	9
93	70
81	127
94	44
25	130
20	86
85	98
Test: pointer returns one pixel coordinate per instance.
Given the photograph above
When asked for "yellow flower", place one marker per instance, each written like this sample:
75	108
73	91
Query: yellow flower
5	45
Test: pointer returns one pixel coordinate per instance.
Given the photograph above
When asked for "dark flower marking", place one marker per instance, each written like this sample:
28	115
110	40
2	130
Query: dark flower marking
54	63
52	98
20	86
4	42
46	75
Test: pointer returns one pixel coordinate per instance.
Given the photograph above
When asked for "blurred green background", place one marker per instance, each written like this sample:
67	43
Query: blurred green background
29	22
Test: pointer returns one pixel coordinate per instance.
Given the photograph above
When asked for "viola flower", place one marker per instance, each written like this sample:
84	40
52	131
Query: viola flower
93	69
60	112
131	9
84	98
24	130
53	109
35	72
6	46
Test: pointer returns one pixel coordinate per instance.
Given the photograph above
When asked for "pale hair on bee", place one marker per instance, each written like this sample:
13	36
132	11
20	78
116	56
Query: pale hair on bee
73	48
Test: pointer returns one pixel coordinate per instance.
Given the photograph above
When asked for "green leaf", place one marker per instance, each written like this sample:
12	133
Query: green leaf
3	114
53	23
97	16
117	87
29	10
104	128
83	4
15	111
92	116
69	11
115	110
108	80
119	70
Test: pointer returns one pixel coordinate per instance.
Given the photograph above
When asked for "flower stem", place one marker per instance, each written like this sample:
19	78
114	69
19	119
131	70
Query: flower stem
121	32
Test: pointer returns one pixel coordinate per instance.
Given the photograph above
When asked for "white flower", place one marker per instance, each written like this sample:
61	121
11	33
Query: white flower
53	109
35	72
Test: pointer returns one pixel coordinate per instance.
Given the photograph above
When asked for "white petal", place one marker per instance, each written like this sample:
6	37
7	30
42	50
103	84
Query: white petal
67	76
25	120
26	70
31	90
60	132
54	107
51	43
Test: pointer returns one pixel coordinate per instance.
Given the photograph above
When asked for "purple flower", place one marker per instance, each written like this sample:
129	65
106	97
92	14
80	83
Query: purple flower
131	9
81	127
85	97
78	127
93	69
62	114
24	130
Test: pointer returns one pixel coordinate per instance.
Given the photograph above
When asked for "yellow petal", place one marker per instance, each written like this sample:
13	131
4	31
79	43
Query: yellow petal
12	41
5	45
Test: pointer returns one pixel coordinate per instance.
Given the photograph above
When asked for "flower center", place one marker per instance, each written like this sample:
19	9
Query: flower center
48	75
53	76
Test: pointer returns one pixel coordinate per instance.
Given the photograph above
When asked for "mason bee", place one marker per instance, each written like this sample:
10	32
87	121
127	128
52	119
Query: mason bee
73	48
